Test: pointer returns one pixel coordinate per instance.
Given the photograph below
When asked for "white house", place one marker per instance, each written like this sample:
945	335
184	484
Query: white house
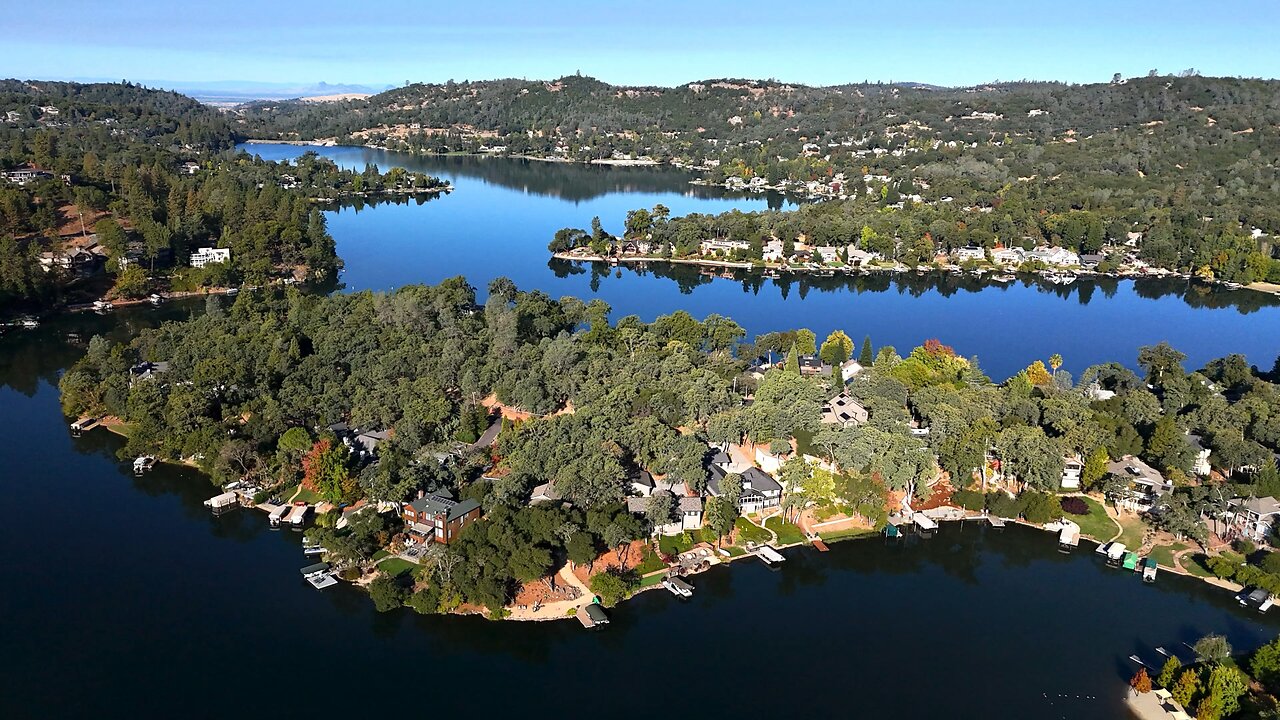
1201	466
1146	484
773	251
969	253
205	255
1008	256
844	410
1054	256
724	246
1072	468
1254	517
828	254
860	258
849	369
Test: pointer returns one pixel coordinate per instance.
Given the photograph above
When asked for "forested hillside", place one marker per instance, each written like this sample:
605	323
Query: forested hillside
133	181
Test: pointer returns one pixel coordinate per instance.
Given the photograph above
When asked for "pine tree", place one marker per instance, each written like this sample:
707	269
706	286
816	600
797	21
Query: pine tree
865	358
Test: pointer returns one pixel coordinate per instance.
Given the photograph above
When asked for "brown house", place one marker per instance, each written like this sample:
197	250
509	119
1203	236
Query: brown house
438	517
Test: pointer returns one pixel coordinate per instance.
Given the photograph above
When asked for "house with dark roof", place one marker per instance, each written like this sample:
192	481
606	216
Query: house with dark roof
844	410
437	517
759	489
147	371
1145	484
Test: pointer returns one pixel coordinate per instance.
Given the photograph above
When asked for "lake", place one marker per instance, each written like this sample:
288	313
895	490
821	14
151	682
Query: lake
502	213
125	597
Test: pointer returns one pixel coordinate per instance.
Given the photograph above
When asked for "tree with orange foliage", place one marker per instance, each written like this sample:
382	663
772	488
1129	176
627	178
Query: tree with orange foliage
324	471
1038	374
1141	681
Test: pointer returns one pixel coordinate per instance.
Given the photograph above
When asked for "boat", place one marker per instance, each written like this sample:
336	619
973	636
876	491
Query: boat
1004	278
28	322
314	550
155	299
232	292
221	502
102	305
1102	548
1149	572
678	587
143	463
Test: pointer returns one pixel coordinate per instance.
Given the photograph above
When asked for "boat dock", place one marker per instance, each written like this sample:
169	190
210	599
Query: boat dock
84	423
677	586
319	576
822	547
592	615
770	556
996	522
924	524
225	501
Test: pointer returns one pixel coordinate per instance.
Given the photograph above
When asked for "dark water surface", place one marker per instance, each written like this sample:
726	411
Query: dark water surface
124	597
503	212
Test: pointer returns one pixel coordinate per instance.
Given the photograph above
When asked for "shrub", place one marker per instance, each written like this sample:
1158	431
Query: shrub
426	601
387	593
969	499
1040	507
613	587
1270	562
1245	546
1001	505
1074	506
1141	681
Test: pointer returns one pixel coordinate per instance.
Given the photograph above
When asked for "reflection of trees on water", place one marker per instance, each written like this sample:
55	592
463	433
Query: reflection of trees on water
688	277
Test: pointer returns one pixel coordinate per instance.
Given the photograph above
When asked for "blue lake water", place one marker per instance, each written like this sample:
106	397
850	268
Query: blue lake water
503	212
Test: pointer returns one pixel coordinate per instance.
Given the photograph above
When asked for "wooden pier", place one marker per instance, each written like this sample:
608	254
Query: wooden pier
822	547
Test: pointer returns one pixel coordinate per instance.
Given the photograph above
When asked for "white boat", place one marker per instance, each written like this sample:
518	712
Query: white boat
143	463
28	322
314	550
102	305
155	299
678	587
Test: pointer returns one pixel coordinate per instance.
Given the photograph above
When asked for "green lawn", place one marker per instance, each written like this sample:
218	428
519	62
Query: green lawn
788	534
380	554
395	566
649	561
804	443
649	580
303	494
676	544
750	532
1194	564
1163	554
1097	524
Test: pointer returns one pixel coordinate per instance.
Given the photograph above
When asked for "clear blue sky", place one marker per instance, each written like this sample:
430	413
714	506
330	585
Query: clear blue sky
659	42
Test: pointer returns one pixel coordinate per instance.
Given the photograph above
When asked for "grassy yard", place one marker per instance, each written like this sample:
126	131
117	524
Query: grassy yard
1132	530
380	554
1194	564
1097	524
395	566
649	561
788	533
846	534
1163	554
750	532
651	580
303	494
676	544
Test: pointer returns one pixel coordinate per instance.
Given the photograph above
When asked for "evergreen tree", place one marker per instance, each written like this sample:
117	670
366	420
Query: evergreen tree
865	358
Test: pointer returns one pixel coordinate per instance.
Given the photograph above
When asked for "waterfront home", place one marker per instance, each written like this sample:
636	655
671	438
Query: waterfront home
1008	256
688	512
75	260
844	410
642	483
1201	464
727	247
437	517
975	254
724	460
772	252
1089	261
861	258
1054	256
1145	484
1254	517
205	255
828	254
690	509
759	489
812	365
147	371
1072	468
362	443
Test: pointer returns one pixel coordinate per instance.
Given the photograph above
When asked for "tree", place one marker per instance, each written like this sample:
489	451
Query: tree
659	509
1169	673
613	586
1167	446
1055	361
1212	649
1226	685
1265	664
806	341
132	282
1037	374
1160	361
836	348
581	548
1095	468
1186	687
387	593
720	517
1141	682
325	471
865	358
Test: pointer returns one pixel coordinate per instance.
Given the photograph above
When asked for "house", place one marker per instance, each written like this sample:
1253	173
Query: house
844	410
75	260
1072	468
849	369
1145	484
759	490
205	255
772	251
545	492
690	509
723	246
642	483
828	254
25	174
1255	517
1054	256
963	254
813	365
437	517
1008	256
1201	465
147	371
362	443
1090	261
190	167
861	258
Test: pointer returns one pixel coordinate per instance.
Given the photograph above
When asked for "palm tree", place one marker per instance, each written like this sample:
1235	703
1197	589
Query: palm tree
1055	361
